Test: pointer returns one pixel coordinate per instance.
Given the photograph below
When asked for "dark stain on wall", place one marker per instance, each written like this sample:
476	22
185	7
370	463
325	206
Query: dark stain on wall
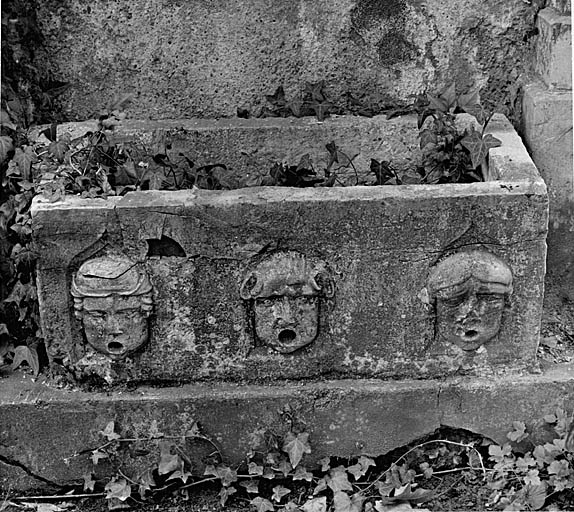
388	17
394	48
368	11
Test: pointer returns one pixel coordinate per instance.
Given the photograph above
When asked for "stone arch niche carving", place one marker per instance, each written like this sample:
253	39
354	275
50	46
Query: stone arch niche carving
469	291
283	292
113	299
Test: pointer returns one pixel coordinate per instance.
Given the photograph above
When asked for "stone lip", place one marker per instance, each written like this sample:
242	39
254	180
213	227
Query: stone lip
377	242
47	434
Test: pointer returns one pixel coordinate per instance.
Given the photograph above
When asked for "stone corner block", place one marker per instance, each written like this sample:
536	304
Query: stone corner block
553	56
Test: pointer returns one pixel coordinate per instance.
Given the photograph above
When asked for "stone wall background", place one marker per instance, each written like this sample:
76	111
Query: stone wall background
198	58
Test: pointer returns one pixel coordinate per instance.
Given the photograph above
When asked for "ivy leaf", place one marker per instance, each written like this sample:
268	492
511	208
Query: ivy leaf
338	480
25	157
6	146
535	495
479	146
437	103
109	433
89	482
25	354
296	447
277	99
5	120
146	482
532	478
225	493
428	470
118	489
518	433
224	473
278	492
405	493
59	149
254	469
168	462
427	137
343	503
285	467
180	474
262	504
321	486
315	90
296	106
470	103
449	96
497	453
361	467
251	486
315	505
559	468
321	109
469	100
325	464
302	474
97	455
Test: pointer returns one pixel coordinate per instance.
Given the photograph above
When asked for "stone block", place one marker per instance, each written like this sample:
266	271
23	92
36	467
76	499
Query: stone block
547	131
48	434
553	57
562	6
269	283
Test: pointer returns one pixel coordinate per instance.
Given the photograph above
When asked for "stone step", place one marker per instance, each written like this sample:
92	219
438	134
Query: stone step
48	435
553	55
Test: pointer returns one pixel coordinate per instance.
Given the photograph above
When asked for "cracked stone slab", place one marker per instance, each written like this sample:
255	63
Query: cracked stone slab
377	245
52	432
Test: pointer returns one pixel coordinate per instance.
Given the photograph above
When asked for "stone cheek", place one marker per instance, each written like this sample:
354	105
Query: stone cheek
471	319
285	323
115	325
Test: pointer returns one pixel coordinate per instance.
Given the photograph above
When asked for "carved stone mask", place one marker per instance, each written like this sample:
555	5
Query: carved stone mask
112	297
285	290
470	289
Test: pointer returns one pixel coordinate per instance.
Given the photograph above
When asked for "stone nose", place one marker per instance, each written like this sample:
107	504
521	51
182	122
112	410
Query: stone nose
112	325
469	307
283	312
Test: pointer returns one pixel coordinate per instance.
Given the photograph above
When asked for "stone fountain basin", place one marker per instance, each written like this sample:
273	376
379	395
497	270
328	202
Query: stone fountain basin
378	245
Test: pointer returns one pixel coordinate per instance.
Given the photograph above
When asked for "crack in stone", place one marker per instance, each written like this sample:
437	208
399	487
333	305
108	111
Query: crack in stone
19	465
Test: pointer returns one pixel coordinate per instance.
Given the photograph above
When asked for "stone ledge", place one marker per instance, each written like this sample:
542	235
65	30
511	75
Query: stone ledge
44	429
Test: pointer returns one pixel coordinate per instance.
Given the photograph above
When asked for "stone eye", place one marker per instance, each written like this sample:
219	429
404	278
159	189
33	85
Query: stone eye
489	297
455	301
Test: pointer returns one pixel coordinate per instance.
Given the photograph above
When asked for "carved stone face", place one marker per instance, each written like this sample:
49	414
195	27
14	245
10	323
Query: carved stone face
113	299
114	325
284	291
287	323
469	315
470	289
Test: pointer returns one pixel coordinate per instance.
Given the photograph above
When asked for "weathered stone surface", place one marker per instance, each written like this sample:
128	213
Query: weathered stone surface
547	129
250	147
377	244
563	6
553	56
52	433
196	59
